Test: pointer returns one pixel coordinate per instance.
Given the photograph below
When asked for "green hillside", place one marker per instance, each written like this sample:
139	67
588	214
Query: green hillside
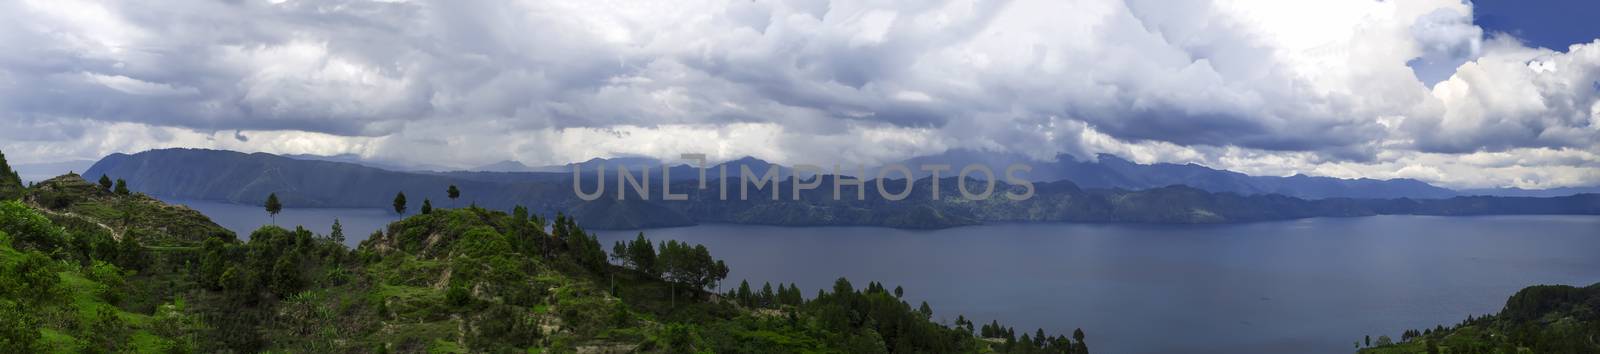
1538	319
86	270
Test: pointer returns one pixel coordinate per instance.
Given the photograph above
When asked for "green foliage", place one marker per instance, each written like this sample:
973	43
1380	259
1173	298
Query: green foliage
1537	319
451	280
106	331
427	206
638	254
122	187
10	183
30	280
458	296
105	183
29	229
19	331
87	210
337	233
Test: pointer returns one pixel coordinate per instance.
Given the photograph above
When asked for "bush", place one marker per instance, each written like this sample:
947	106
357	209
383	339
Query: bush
19	329
28	229
458	296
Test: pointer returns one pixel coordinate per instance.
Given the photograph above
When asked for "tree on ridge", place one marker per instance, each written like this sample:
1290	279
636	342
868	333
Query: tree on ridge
400	203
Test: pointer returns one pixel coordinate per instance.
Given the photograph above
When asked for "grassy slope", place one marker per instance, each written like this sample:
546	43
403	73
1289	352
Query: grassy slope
134	274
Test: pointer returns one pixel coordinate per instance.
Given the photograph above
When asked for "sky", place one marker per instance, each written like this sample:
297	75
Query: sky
1462	95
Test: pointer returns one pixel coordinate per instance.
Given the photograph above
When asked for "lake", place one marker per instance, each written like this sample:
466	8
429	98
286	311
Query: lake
1304	286
358	223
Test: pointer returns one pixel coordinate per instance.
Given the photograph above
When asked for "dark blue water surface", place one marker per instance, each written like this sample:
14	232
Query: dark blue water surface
1304	286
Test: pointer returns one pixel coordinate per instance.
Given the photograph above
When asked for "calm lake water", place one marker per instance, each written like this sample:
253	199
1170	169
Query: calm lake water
1304	286
243	219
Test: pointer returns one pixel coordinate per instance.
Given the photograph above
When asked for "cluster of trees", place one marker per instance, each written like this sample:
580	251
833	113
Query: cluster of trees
678	263
1039	342
581	247
119	188
874	319
249	281
427	205
766	298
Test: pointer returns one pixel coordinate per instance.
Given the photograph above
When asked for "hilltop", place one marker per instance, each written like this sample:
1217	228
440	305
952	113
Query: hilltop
69	199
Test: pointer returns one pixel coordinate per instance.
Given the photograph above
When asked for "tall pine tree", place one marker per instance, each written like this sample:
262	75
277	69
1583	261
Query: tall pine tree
337	235
273	207
400	203
10	183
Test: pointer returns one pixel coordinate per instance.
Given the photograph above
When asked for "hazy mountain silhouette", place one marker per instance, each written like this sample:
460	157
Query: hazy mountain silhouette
247	178
1109	171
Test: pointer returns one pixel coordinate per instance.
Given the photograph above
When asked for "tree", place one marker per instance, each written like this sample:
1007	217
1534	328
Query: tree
400	203
743	295
285	275
10	182
458	296
122	187
107	330
898	292
766	297
427	207
719	272
213	262
105	183
1384	340
454	193
642	255
273	207
337	235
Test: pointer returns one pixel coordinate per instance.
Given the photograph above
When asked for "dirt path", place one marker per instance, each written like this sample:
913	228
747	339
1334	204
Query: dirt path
115	235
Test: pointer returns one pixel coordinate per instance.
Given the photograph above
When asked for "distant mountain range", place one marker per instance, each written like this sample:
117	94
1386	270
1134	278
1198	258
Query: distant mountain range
247	178
1519	192
1109	171
357	159
1105	171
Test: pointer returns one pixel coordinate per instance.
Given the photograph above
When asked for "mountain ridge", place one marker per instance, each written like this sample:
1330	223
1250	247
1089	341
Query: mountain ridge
245	178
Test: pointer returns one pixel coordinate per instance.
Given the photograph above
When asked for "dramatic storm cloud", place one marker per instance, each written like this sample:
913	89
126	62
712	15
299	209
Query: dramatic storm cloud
1340	88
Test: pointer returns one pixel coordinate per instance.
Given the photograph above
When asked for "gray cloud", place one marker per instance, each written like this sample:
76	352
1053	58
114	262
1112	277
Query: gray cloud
465	82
